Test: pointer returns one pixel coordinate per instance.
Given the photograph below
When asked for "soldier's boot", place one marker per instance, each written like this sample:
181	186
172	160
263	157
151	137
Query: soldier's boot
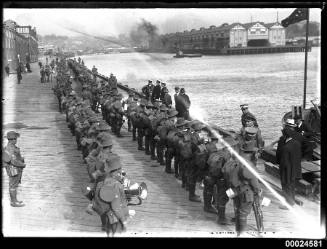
140	143
147	146
13	199
129	125
242	224
192	196
207	207
168	166
152	150
176	168
222	220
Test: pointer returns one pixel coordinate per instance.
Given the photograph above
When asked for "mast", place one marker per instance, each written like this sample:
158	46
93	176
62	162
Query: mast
306	60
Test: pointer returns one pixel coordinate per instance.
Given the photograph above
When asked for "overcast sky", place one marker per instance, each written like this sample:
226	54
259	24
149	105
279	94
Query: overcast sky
117	21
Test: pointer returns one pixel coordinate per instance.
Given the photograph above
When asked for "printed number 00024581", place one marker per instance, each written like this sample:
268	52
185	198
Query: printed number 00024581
303	243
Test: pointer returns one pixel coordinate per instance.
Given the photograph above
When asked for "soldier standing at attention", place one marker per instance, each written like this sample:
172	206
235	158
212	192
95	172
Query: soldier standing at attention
7	69
14	164
247	116
19	74
156	91
162	93
176	94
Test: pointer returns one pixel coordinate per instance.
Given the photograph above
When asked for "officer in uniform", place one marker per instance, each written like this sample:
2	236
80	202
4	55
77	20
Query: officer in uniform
247	116
243	188
162	119
147	90
131	114
166	98
156	91
14	164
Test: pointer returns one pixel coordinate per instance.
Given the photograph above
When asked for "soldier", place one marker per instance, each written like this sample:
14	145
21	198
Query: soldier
14	164
131	113
147	126
140	112
118	113
94	72
167	98
176	94
113	82
251	143
19	74
110	201
161	121
247	116
147	90
162	92
128	105
183	104
156	91
7	69
243	188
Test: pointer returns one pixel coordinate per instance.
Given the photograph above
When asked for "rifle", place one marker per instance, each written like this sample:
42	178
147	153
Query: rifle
258	214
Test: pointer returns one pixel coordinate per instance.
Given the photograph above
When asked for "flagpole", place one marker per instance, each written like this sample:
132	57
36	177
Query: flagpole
306	60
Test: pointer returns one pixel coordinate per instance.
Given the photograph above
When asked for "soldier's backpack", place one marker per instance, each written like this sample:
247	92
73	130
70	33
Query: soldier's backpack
201	156
216	162
185	146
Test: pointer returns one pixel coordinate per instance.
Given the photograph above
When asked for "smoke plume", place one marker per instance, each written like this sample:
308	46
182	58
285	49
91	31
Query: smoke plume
143	33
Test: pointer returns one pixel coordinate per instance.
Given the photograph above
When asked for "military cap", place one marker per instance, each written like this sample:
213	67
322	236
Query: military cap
163	107
162	83
182	90
149	104
103	126
105	140
181	122
177	88
149	81
172	113
93	119
143	102
244	106
113	163
198	126
12	135
290	122
119	96
165	89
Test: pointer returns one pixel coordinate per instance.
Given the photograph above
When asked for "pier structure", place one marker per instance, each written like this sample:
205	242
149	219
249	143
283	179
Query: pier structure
55	172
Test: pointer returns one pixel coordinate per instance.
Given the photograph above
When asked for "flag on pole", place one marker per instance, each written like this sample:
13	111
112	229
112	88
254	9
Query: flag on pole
298	15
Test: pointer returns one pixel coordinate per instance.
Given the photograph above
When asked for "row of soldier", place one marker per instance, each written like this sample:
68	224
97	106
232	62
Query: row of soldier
196	152
94	140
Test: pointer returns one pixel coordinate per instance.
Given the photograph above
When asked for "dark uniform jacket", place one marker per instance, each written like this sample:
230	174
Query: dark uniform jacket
156	92
290	161
167	100
182	103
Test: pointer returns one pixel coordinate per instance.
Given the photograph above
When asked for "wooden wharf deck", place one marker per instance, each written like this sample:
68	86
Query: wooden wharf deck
55	172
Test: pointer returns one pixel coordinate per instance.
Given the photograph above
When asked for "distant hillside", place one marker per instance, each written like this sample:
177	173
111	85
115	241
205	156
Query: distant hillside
299	29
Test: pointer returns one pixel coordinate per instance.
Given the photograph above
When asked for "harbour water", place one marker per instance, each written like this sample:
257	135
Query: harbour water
217	85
